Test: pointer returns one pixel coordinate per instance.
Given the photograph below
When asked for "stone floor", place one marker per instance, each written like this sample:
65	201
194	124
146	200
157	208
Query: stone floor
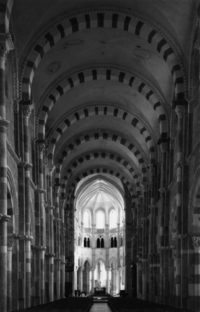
100	307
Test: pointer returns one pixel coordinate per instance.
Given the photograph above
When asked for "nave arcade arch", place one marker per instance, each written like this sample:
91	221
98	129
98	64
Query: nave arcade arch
97	264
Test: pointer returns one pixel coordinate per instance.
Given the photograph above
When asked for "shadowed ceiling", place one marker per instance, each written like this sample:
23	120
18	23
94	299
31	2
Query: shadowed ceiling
102	76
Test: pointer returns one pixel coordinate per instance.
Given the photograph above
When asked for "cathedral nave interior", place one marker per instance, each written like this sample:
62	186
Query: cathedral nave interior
99	152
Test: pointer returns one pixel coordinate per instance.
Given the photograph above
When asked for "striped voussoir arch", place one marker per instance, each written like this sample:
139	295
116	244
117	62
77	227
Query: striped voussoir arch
105	74
5	13
109	20
104	155
97	135
68	186
136	177
136	184
99	110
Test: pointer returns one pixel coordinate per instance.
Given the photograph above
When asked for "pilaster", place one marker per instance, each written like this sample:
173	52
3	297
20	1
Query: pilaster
181	260
5	47
27	109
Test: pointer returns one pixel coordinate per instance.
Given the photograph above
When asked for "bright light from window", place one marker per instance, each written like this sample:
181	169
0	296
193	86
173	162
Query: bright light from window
113	219
87	219
100	219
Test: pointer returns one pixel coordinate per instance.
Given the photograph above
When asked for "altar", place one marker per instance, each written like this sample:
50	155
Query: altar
99	291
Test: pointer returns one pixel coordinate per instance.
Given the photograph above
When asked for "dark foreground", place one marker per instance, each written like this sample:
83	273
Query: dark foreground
113	304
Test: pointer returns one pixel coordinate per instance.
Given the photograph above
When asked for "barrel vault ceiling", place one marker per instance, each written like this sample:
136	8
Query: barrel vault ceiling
102	76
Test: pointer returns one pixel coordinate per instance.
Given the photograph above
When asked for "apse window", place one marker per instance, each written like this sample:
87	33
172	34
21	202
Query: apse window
100	219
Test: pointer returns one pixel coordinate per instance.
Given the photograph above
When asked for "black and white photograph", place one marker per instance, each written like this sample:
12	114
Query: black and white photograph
99	155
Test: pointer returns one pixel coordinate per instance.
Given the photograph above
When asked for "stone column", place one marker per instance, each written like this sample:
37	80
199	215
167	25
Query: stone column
27	108
9	272
42	276
5	46
163	243
139	280
93	245
62	249
152	234
62	276
119	277
15	269
51	255
42	216
75	280
107	279
92	280
194	283
51	277
57	240
181	260
145	240
57	268
81	279
118	244
111	280
3	239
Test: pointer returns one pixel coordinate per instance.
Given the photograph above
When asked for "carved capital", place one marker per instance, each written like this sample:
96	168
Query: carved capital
41	190
6	45
4	217
179	106
24	237
41	145
10	240
50	255
196	241
164	142
40	247
28	238
4	123
27	166
27	108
